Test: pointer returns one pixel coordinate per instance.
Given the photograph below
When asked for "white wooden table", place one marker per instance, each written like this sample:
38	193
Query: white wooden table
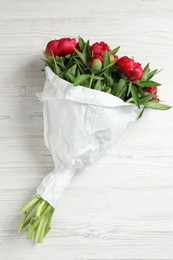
122	207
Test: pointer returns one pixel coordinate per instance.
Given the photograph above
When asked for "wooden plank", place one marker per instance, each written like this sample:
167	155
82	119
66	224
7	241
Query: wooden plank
121	207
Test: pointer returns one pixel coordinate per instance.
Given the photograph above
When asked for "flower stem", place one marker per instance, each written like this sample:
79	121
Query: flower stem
29	204
48	227
91	80
37	216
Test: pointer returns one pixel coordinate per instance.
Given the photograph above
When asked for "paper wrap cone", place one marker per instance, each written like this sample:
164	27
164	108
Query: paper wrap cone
80	124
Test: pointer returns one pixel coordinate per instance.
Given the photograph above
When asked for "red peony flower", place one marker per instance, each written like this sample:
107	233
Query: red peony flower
52	47
125	64
137	72
99	48
96	62
152	90
66	46
61	47
129	68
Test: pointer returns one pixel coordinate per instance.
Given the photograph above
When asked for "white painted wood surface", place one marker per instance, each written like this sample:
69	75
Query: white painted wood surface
122	207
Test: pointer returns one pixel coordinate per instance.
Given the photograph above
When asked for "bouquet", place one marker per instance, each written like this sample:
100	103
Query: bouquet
90	97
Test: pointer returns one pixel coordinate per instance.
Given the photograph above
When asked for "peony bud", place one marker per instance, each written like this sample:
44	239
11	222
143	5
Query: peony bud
113	58
95	63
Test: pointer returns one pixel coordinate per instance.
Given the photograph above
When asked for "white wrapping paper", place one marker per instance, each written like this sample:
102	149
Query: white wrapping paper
80	124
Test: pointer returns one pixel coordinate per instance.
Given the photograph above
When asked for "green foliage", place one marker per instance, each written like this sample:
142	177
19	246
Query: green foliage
117	88
141	113
80	79
146	84
135	96
75	68
156	105
81	43
106	59
114	51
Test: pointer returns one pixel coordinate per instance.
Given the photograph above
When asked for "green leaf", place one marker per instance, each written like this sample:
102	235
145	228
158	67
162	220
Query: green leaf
70	77
47	63
151	74
81	78
145	74
72	70
106	89
81	56
147	98
106	68
78	72
106	59
122	93
47	59
145	84
114	69
68	56
80	65
114	51
98	85
118	87
141	113
129	88
81	43
69	65
135	96
156	105
108	79
86	51
86	83
56	68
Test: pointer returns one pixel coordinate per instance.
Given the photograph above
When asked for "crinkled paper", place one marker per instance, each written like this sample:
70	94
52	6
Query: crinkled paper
80	124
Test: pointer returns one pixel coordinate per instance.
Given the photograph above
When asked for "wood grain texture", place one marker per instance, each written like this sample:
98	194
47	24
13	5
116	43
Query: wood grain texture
122	207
